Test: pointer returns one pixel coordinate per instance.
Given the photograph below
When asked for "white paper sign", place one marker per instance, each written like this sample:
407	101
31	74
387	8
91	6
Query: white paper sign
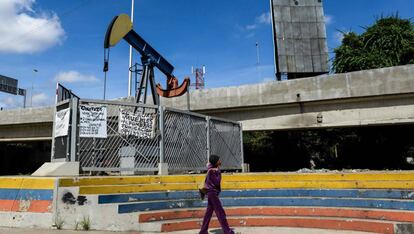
92	121
136	124
62	123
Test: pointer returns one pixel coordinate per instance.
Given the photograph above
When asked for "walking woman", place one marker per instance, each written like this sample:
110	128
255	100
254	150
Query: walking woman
212	184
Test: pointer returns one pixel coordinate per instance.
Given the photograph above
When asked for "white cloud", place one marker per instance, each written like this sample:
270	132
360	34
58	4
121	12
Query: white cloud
328	19
40	99
74	76
339	36
264	18
10	102
24	30
251	26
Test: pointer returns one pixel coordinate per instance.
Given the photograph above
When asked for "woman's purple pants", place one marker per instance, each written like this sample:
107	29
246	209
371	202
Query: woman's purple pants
214	204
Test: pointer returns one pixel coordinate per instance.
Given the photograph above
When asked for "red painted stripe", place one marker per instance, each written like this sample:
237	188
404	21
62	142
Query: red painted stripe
6	205
401	216
365	226
39	206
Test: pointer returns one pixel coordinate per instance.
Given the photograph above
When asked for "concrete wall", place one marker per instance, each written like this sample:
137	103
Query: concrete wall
26	124
28	115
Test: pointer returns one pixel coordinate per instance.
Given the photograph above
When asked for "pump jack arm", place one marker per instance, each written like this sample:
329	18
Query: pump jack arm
121	28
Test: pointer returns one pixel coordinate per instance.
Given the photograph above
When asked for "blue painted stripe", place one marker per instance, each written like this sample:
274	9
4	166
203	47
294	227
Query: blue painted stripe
352	193
312	202
26	194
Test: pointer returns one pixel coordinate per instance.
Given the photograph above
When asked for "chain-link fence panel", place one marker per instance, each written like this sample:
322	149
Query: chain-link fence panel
225	141
185	140
119	136
129	141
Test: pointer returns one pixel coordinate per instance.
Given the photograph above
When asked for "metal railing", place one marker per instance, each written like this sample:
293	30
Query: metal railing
138	137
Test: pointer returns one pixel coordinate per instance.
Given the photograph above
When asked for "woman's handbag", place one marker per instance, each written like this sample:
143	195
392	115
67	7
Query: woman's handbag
203	191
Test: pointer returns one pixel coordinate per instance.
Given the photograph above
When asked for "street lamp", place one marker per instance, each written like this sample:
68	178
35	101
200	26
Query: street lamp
31	93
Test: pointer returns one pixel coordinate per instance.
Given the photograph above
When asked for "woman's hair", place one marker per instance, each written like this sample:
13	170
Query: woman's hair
214	159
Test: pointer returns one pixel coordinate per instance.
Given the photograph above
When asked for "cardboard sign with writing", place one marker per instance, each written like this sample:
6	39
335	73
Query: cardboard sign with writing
136	124
92	121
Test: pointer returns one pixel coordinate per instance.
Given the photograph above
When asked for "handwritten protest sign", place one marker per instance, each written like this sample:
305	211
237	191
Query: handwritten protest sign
136	124
62	123
92	121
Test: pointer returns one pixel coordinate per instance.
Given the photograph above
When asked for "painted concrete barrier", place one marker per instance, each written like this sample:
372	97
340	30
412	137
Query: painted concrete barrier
379	202
354	225
26	202
385	215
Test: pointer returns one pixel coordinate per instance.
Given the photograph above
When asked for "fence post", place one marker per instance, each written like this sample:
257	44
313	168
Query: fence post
162	166
245	166
208	137
68	137
52	153
74	128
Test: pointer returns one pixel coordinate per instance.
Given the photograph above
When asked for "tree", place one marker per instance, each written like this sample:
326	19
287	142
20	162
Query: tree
388	42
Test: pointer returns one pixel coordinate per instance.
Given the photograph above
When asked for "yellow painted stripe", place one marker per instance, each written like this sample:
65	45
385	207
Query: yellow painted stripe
136	188
70	182
128	180
320	176
252	185
26	183
320	185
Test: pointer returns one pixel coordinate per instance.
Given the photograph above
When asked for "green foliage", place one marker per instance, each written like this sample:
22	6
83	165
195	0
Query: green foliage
258	142
58	222
388	42
85	223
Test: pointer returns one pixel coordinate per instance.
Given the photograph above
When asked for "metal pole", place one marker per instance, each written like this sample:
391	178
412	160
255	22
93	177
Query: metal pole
188	96
208	137
24	99
68	141
258	60
104	96
241	146
162	136
130	53
52	153
73	132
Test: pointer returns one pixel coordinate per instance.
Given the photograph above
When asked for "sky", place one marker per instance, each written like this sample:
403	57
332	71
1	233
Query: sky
63	41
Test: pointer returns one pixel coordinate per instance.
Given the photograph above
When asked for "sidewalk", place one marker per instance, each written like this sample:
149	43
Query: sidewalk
256	230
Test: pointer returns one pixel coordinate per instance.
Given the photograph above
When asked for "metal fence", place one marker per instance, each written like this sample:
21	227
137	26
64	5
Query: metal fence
137	137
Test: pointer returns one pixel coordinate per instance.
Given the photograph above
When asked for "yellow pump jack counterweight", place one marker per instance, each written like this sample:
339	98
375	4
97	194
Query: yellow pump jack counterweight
121	28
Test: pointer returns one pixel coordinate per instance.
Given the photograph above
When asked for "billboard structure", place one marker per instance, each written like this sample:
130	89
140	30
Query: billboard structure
9	85
299	37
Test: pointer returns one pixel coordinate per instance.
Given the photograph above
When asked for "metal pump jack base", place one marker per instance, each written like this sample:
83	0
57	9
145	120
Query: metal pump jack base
147	76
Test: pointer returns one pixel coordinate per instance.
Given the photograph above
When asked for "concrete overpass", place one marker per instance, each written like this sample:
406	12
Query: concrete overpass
374	97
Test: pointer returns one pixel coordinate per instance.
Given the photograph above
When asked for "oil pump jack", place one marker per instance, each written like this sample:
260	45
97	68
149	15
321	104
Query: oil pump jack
121	28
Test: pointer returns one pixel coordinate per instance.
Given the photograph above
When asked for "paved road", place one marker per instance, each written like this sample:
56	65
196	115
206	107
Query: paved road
215	231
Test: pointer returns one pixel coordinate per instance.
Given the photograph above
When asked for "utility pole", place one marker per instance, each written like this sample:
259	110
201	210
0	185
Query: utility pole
130	54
